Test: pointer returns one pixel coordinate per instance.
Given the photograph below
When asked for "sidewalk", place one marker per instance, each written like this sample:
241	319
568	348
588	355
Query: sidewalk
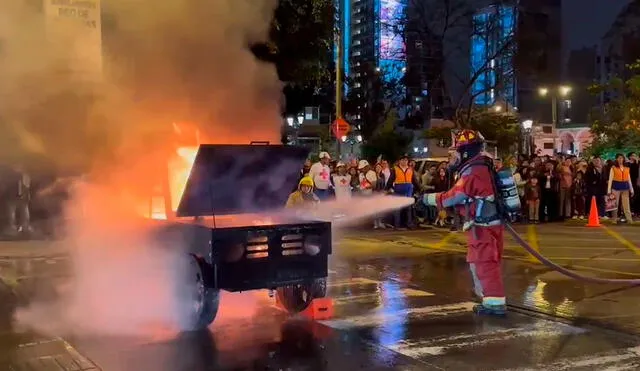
29	249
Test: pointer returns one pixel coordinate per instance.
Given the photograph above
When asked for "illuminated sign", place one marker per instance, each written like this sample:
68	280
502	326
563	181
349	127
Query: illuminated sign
392	45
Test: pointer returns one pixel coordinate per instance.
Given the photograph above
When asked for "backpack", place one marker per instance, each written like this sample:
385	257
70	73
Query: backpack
507	199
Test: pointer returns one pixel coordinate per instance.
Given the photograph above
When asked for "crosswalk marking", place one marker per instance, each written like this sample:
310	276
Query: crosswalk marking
444	344
353	281
403	293
377	317
622	359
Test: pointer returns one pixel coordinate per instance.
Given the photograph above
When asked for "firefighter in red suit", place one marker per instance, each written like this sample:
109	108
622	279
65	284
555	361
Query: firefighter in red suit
473	196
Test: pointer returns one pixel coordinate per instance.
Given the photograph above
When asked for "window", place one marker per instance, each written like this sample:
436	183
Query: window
548	145
547	129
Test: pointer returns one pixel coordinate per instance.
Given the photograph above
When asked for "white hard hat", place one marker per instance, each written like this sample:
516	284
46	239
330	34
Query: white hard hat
362	164
324	155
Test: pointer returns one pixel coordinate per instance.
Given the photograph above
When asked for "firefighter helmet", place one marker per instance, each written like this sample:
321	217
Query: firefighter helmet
467	137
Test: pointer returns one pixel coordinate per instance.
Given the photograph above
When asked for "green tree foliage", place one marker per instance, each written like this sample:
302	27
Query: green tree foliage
501	129
373	98
301	41
616	126
387	142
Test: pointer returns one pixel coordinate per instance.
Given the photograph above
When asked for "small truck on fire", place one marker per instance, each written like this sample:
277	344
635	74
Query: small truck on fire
236	239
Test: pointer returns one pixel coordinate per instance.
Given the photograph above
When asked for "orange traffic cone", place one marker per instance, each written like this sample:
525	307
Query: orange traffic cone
594	219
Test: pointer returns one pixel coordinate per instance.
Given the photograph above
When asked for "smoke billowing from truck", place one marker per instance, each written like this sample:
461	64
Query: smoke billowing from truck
110	116
80	106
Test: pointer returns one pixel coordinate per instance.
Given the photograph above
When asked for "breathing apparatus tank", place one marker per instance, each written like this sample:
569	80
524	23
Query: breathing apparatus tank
508	196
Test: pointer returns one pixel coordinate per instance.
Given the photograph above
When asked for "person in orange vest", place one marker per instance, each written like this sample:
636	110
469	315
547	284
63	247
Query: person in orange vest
402	182
620	186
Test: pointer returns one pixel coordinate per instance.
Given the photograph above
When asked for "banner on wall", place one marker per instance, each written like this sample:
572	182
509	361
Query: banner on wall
76	25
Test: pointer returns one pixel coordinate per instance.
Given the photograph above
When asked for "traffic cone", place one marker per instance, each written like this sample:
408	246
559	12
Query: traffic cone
594	219
319	309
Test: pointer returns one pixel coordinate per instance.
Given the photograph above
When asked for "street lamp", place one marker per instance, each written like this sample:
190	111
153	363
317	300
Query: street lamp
300	119
526	126
359	138
290	121
562	91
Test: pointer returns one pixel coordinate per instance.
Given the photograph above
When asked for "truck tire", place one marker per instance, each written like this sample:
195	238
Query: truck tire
296	298
198	303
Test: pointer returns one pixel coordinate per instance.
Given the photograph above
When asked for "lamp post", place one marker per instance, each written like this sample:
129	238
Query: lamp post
559	91
294	123
422	150
526	126
352	140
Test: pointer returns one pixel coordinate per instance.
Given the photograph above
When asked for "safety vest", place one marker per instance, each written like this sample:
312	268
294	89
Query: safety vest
403	177
620	175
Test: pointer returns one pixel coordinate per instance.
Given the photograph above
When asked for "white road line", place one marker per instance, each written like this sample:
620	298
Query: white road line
402	293
443	344
615	360
353	281
379	317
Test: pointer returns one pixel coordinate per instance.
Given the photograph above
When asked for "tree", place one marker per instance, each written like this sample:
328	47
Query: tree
501	129
373	97
391	144
301	47
451	31
616	125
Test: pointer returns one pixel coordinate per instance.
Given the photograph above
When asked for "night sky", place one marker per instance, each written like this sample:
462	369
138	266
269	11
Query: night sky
586	21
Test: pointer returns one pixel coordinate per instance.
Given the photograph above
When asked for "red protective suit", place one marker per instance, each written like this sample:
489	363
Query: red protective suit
474	193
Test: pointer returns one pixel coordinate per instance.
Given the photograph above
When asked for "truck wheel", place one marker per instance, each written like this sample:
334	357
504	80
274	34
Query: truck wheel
296	298
198	303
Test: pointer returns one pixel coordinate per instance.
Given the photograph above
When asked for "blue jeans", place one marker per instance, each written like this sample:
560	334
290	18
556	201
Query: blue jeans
406	190
323	194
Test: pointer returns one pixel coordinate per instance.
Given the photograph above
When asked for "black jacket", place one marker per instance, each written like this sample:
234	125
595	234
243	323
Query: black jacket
596	183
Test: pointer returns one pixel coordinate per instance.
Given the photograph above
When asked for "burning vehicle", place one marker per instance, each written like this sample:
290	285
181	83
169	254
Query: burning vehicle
225	203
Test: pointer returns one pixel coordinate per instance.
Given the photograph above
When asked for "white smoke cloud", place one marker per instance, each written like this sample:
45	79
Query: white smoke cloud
162	62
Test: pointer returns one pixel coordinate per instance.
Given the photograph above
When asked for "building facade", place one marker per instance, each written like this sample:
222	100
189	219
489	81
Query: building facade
619	47
582	72
516	48
372	43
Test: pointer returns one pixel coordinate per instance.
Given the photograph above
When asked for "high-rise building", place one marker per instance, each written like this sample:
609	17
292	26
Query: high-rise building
516	48
372	41
424	78
619	47
492	55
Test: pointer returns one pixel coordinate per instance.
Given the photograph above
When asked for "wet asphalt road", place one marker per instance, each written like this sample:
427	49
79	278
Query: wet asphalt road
402	302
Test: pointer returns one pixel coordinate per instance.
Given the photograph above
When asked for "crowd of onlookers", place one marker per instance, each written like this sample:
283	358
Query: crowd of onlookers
562	187
552	188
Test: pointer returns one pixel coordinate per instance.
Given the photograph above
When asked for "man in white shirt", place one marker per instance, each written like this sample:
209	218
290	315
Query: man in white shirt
320	173
342	182
367	178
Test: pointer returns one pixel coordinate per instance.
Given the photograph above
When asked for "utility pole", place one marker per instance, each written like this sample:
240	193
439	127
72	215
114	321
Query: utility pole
339	84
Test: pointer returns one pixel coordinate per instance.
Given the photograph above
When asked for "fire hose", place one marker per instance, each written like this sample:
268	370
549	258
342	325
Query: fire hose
563	270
